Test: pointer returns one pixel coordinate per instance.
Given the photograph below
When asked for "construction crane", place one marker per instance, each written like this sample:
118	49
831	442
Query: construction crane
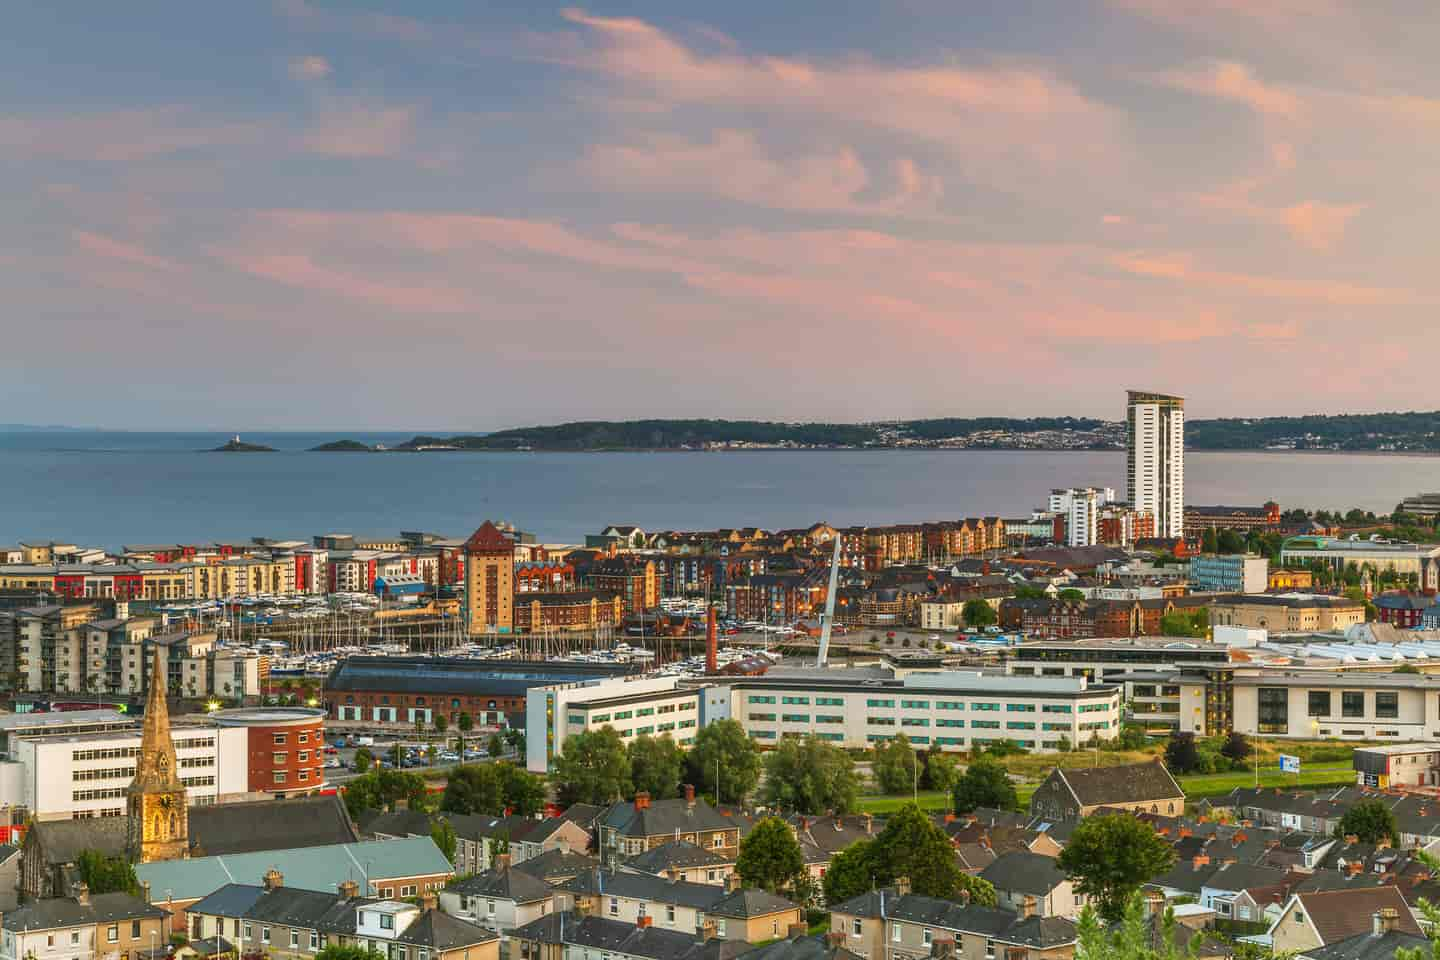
829	616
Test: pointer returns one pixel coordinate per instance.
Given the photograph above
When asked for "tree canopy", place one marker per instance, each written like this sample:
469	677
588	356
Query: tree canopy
1181	753
593	767
1111	857
348	951
106	874
770	858
492	788
656	764
382	789
894	765
810	776
1135	937
1370	821
978	613
985	783
723	750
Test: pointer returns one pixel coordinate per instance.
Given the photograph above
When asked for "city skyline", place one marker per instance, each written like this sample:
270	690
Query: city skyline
534	215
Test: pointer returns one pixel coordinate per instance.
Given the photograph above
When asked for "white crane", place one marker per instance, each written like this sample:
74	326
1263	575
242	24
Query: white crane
829	616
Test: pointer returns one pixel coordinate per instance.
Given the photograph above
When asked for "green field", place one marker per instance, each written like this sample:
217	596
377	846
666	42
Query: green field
1196	787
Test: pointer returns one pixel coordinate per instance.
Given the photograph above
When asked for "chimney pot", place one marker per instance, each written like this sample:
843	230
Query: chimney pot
902	886
349	890
642	800
82	894
273	879
502	862
690	794
1351	839
1027	907
643	921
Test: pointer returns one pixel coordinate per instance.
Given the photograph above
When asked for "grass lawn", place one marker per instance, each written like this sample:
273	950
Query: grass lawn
1196	787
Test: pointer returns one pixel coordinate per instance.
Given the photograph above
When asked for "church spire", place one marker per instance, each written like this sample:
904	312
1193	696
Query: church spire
159	817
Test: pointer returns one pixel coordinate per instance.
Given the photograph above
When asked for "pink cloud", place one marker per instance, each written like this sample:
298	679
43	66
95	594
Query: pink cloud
1236	82
310	68
1335	293
108	248
353	129
1318	225
121	135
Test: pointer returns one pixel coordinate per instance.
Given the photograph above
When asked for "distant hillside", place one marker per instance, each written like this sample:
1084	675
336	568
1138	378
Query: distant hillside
343	446
1381	432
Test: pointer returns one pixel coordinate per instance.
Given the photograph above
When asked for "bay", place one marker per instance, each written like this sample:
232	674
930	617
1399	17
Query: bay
106	488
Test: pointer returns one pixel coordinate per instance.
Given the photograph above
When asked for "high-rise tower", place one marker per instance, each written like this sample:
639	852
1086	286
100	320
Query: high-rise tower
159	819
1155	458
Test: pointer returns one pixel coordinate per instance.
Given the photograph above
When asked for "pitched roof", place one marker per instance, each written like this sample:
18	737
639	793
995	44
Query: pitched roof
1338	914
231	900
642	886
488	538
1024	872
991	922
1245	876
510	884
680	854
439	931
750	903
1368	946
802	948
617	937
63	840
1126	783
556	865
311	821
66	912
395	823
308	868
661	818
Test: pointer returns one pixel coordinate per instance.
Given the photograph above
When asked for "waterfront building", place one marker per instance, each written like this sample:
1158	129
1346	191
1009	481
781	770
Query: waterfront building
582	611
489	581
1244	519
1080	506
1155	459
633	579
1229	573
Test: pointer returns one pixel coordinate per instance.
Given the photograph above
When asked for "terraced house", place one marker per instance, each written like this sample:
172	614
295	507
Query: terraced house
893	924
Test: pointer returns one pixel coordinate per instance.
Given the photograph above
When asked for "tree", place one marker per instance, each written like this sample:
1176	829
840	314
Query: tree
443	833
724	762
911	845
1406	668
894	765
1370	821
364	759
383	789
593	767
1028	592
464	723
441	722
496	746
1070	593
941	772
1237	747
1185	623
655	765
348	952
851	872
985	784
978	613
770	857
1230	542
1209	542
1110	857
104	874
1181	754
810	776
1135	937
473	789
521	791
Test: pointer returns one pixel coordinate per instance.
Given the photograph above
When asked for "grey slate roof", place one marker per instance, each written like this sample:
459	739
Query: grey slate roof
311	821
395	823
1127	783
60	912
1367	946
641	886
439	931
1245	876
662	818
555	865
231	900
991	922
614	936
681	854
743	904
512	884
1024	872
802	948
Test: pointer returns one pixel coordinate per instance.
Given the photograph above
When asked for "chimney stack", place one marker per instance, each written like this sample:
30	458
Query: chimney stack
1351	839
942	948
902	886
642	800
642	921
712	649
273	880
689	794
145	890
732	882
349	890
429	900
82	894
502	862
1384	921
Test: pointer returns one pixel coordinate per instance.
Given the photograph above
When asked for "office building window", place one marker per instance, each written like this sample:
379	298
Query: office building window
1387	705
1319	703
1274	709
1352	704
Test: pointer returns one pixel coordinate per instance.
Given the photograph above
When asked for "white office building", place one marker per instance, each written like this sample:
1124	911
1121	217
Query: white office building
55	774
1080	506
633	706
1155	459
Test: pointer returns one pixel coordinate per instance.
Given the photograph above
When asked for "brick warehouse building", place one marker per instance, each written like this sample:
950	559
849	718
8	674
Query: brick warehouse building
285	753
401	691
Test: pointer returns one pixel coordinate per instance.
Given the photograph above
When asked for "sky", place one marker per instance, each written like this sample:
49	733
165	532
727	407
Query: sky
460	215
